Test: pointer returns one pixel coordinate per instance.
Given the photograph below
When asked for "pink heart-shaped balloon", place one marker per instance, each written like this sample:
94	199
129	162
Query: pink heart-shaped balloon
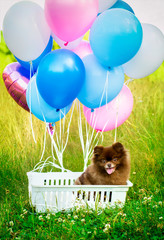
16	79
70	19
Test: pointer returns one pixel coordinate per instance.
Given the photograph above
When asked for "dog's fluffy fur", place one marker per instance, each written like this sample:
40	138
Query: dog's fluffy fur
110	166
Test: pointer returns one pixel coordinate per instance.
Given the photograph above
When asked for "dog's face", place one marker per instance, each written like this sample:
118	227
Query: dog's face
108	159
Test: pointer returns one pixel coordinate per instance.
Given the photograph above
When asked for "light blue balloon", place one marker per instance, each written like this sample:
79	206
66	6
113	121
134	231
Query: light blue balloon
115	37
35	63
123	5
101	84
40	108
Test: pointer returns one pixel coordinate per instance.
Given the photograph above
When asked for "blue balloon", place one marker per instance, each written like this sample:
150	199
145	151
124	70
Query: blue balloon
101	83
40	108
35	63
115	37
123	5
60	77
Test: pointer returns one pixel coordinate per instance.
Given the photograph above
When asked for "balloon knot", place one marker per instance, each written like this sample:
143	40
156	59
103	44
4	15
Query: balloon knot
51	127
65	44
53	124
98	131
57	110
92	110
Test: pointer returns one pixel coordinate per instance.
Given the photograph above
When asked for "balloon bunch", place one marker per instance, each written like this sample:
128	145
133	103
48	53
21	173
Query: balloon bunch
91	71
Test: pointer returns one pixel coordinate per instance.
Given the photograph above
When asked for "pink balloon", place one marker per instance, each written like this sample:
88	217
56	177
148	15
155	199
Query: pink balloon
70	19
83	49
117	111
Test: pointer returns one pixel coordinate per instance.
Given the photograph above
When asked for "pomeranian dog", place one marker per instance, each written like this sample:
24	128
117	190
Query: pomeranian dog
110	166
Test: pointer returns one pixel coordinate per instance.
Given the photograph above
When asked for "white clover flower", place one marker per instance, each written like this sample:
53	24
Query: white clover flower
11	223
40	217
145	198
73	222
134	173
78	209
75	217
124	215
10	230
160	218
60	219
155	206
69	215
160	203
120	213
107	226
83	220
141	190
48	216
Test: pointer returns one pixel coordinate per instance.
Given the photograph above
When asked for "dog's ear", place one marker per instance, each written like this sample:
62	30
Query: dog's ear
98	150
118	147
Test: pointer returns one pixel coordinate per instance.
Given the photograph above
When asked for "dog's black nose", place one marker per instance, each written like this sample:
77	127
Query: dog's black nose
109	165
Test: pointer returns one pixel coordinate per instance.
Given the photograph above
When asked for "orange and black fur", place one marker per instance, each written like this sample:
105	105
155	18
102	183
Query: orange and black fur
110	166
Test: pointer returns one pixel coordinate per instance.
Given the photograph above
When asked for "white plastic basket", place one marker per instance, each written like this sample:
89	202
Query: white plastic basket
55	191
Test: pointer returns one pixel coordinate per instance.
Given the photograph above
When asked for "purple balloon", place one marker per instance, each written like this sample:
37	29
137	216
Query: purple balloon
16	79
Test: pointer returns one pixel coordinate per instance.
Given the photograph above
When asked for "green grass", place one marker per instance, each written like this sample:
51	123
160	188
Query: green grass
142	134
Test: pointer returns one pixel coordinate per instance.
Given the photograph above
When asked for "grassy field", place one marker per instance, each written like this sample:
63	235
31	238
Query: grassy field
142	134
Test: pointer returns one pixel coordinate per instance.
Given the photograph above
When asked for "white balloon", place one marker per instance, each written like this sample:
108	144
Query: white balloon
67	45
105	4
25	30
150	55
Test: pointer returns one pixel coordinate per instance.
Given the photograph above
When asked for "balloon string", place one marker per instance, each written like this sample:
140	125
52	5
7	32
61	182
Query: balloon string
80	127
58	153
128	81
60	146
47	124
90	141
68	128
44	146
30	105
116	123
105	88
94	120
41	165
117	103
90	138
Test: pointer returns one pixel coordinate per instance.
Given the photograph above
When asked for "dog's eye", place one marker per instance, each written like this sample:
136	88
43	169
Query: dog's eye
104	161
115	159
